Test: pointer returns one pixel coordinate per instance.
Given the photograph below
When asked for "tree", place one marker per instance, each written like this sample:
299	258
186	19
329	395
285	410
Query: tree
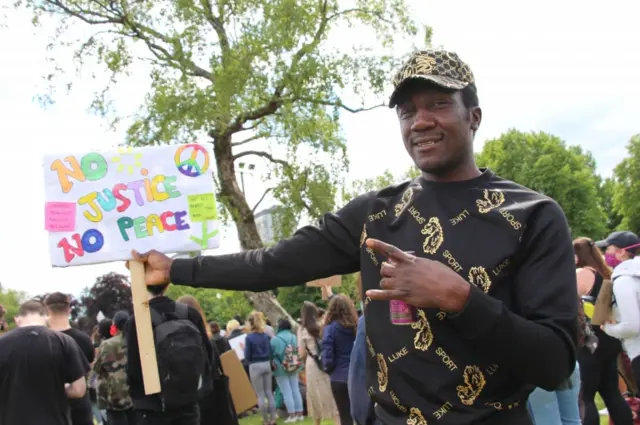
10	301
218	306
607	194
545	164
110	294
626	199
243	73
387	178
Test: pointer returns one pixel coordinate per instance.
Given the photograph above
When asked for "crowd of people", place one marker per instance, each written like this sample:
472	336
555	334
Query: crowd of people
477	308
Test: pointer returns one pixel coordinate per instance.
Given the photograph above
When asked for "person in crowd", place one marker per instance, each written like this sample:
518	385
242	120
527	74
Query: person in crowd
207	409
622	251
362	408
221	343
40	370
257	353
268	329
59	309
4	326
284	351
472	265
111	371
320	402
338	336
152	409
598	368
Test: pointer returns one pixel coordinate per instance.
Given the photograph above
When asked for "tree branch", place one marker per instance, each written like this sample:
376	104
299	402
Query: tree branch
263	155
218	27
339	104
276	102
247	140
264	195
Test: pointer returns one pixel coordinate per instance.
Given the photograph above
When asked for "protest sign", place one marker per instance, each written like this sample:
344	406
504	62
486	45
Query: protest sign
101	205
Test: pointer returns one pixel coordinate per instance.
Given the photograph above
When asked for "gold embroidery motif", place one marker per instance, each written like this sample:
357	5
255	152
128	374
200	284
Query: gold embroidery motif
372	255
406	198
363	236
424	337
441	315
383	373
501	267
367	301
479	277
492	369
370	347
474	383
416	418
492	200
495	404
396	401
434	236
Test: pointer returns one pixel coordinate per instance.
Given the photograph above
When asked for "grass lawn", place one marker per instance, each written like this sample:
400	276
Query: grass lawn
257	420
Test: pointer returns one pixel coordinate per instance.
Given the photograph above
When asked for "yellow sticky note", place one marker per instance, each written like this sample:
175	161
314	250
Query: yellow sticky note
202	207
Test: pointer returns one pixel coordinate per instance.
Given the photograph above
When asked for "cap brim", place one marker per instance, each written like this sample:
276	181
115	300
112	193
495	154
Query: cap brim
602	244
438	80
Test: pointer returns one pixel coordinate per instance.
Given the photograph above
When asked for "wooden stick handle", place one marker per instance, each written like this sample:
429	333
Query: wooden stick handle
144	329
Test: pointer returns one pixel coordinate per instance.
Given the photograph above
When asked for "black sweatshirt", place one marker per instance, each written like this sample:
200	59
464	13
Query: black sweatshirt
518	329
162	305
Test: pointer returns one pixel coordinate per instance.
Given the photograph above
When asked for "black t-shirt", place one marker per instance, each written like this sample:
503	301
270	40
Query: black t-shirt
81	413
518	329
35	363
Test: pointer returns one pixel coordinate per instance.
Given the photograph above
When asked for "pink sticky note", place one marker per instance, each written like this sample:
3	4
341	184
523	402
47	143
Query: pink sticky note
60	216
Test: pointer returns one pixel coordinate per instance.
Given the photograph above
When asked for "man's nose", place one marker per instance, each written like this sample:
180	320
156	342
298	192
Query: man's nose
424	120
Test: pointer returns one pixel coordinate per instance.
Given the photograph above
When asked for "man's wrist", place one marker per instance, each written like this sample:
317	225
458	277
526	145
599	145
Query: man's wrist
457	298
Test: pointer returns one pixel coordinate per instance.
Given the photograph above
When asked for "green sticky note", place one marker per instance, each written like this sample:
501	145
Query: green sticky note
202	207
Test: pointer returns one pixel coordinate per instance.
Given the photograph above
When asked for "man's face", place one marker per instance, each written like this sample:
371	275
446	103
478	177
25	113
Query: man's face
437	129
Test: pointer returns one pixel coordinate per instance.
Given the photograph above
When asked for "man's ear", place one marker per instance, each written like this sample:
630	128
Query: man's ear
475	117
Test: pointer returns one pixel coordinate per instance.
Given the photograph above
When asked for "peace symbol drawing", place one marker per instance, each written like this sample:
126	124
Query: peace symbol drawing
192	160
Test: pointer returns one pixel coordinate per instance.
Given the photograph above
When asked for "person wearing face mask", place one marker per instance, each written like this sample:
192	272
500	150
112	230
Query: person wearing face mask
622	252
599	367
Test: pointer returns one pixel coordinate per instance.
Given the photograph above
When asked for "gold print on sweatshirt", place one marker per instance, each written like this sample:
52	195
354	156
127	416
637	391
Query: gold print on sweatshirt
424	337
434	236
459	218
442	410
500	267
415	417
474	383
492	200
479	277
370	348
363	236
398	355
453	263
510	219
396	401
495	404
446	360
402	205
378	215
383	373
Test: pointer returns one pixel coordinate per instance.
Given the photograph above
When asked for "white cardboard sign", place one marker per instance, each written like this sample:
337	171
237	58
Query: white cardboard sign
101	205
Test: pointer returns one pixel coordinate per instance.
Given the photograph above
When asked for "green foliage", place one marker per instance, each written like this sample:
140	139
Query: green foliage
11	299
291	298
387	178
545	164
626	191
218	306
607	193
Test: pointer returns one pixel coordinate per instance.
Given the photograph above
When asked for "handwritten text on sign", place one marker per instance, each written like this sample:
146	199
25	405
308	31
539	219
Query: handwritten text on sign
101	205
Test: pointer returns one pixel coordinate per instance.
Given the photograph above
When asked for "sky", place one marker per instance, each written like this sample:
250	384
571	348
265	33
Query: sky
565	67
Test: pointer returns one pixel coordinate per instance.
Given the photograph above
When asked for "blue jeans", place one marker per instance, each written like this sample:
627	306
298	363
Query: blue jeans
290	387
556	407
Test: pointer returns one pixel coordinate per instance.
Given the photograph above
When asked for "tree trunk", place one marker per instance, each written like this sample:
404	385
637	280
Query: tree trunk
236	202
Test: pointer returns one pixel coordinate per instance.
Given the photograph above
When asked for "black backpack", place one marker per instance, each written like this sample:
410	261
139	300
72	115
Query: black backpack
182	360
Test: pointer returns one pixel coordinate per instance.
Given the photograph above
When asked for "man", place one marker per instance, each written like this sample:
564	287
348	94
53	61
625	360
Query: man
39	370
59	308
152	409
488	300
110	368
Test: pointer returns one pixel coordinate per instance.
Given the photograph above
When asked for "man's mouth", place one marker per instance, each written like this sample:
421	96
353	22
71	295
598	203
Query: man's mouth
426	141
